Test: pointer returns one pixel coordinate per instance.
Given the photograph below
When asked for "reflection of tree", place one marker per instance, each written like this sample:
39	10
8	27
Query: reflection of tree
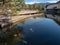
22	21
34	17
11	35
37	16
57	21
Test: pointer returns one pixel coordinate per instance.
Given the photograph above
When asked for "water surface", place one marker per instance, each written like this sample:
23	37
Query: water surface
39	31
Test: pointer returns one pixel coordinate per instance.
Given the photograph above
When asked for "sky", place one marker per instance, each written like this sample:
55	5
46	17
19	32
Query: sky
39	1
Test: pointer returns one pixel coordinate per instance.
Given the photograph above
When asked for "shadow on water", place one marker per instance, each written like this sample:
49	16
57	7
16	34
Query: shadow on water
9	36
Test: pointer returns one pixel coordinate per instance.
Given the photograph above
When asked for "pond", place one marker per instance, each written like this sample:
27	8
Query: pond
39	31
34	31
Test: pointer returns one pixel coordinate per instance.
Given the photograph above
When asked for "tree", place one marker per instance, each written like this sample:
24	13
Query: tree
37	7
14	5
40	8
19	4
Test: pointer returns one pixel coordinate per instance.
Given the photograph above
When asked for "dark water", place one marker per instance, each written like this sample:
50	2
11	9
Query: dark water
32	31
39	31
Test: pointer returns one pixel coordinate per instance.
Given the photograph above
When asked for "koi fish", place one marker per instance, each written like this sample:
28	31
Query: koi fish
31	29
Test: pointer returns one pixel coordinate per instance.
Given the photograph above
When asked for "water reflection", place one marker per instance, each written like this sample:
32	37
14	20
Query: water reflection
22	21
9	36
57	21
32	31
40	31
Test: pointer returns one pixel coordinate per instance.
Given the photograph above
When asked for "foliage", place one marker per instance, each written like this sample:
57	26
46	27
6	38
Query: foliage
13	5
17	5
35	7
